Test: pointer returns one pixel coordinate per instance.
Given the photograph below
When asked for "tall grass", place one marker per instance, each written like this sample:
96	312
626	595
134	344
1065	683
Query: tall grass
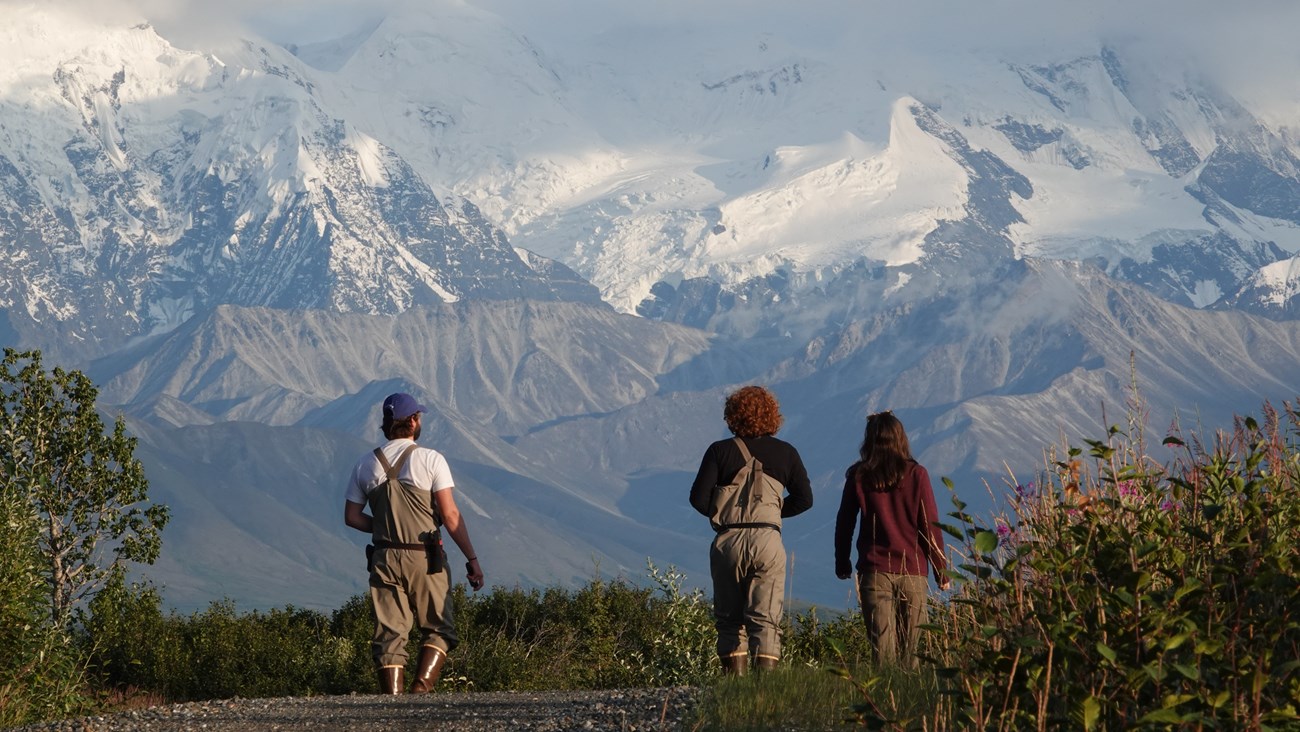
791	697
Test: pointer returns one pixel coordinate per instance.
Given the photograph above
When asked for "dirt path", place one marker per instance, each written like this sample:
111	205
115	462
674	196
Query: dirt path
630	710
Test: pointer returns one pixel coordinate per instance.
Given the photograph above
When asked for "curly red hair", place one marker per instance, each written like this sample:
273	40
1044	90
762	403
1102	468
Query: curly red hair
752	411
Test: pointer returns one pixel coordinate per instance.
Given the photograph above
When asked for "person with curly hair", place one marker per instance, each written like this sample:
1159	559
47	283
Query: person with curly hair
747	558
888	494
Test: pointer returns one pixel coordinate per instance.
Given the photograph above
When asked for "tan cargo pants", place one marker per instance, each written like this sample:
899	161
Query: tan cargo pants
748	568
893	606
403	592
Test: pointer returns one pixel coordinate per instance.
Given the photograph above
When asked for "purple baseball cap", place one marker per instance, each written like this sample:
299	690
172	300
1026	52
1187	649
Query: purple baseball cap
400	406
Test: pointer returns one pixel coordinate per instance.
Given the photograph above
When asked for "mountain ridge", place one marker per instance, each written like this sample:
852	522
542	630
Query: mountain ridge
571	234
987	374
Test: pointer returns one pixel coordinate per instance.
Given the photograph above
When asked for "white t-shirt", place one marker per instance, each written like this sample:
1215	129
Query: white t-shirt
425	469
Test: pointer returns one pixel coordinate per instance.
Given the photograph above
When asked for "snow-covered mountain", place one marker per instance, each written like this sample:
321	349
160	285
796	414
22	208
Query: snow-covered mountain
647	154
144	183
572	227
385	169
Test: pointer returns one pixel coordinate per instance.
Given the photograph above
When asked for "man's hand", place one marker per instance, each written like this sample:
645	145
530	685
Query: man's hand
474	574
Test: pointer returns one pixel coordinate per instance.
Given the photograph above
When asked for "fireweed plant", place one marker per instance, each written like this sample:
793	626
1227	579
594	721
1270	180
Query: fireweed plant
1118	593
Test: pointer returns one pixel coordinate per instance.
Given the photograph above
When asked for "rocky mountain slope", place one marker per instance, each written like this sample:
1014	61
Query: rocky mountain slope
987	376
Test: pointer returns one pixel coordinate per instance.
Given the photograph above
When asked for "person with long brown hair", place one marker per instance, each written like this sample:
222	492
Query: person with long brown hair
888	494
747	558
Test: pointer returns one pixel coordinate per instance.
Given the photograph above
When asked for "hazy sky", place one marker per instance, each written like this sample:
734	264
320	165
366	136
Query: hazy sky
1265	25
1246	44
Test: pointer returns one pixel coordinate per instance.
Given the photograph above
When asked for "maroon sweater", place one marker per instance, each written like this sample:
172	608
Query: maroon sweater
898	530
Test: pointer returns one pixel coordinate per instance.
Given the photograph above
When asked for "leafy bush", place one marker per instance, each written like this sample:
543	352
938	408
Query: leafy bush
837	639
677	637
1116	593
127	639
604	635
39	674
219	653
346	652
82	483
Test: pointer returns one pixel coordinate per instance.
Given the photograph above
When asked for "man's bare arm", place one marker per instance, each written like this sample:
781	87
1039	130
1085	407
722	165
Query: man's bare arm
455	525
355	516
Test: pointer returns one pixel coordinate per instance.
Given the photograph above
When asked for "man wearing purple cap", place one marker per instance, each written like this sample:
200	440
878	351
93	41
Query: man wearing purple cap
409	581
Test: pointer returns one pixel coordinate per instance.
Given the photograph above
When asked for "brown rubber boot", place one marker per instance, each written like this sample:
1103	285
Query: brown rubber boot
428	669
765	663
736	664
391	679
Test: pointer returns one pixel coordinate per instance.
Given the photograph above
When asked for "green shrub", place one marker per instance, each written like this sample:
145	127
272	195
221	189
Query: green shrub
679	646
1118	594
219	653
40	677
345	656
73	511
607	634
836	639
127	639
506	641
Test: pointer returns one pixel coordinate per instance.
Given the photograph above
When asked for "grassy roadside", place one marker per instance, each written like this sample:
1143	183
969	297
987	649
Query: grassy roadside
809	698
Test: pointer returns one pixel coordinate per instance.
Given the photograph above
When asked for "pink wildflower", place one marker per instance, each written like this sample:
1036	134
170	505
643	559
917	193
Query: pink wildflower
1026	491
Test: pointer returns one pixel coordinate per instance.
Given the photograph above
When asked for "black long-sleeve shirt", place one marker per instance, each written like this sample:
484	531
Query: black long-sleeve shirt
779	458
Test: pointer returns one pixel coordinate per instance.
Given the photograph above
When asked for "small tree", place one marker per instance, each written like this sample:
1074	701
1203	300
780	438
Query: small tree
83	485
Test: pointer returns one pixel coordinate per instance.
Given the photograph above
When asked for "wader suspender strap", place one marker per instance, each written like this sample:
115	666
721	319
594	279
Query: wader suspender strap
744	453
390	472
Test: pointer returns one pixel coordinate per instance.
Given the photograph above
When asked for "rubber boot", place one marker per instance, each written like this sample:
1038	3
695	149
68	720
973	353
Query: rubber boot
765	663
736	664
428	669
391	679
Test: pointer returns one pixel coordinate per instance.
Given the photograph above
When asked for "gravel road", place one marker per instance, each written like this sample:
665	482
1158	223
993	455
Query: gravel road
630	710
